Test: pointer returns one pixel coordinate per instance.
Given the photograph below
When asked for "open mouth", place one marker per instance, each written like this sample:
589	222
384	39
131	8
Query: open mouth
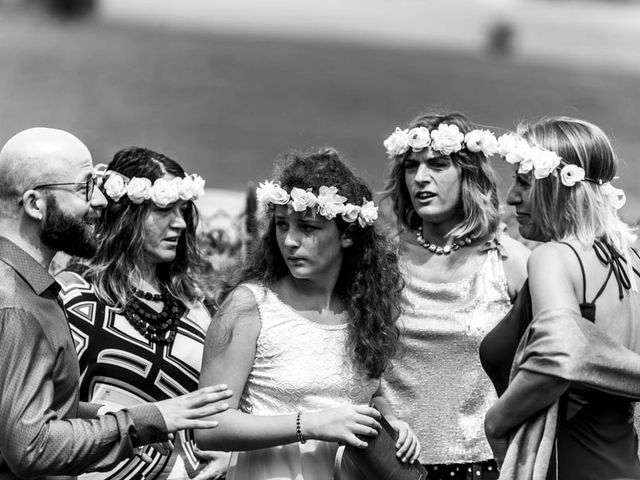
425	195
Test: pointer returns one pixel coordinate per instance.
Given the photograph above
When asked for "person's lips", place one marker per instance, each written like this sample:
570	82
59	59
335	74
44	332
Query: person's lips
424	196
294	259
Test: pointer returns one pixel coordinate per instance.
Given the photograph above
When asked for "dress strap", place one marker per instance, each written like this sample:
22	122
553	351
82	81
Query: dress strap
608	255
584	277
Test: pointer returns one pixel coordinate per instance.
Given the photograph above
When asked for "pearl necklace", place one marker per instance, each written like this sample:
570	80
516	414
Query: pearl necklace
438	250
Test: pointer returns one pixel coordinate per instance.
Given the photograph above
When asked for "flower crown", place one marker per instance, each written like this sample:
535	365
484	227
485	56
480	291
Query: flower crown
446	139
516	150
327	203
162	192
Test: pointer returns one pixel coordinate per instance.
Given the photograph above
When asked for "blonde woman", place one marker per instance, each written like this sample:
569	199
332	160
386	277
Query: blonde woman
566	404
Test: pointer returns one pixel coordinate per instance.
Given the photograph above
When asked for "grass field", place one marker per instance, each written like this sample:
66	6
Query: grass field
226	106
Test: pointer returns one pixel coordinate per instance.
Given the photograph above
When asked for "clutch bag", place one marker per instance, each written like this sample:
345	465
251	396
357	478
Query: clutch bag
376	462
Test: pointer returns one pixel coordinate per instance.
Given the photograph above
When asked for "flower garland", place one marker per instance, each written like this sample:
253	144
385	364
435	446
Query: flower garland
326	203
516	150
446	139
162	192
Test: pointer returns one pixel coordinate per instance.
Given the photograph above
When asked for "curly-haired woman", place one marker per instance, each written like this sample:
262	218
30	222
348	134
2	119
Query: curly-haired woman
461	273
308	328
135	311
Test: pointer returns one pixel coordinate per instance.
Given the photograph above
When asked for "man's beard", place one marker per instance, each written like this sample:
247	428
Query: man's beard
62	232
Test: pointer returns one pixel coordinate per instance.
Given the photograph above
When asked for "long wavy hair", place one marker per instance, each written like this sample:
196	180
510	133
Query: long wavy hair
479	205
121	238
581	211
369	282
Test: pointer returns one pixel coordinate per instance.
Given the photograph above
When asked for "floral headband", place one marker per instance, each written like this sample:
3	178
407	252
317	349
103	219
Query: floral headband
327	203
543	163
446	139
162	192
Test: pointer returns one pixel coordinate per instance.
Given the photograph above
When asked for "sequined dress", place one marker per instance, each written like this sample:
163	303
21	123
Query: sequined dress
438	385
299	365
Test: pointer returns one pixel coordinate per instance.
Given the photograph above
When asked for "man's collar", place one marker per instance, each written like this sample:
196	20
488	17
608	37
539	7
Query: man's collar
27	267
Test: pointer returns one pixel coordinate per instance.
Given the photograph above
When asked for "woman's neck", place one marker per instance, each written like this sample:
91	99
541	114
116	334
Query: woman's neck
147	279
316	295
439	233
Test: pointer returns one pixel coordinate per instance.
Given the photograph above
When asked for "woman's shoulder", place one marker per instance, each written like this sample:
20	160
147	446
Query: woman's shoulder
514	255
241	305
72	284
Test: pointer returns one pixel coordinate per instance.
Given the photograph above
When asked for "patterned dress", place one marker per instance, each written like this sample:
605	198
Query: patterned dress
438	385
120	367
299	365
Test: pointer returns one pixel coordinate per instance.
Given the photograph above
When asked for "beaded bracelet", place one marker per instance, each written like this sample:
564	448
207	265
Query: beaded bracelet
298	429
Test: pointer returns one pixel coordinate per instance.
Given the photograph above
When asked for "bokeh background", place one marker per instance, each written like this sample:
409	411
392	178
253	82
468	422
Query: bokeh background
226	86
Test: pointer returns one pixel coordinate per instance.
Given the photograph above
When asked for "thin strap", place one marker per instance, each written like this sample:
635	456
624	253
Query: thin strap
584	277
608	255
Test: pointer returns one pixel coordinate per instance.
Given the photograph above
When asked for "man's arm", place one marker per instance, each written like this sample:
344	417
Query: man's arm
34	441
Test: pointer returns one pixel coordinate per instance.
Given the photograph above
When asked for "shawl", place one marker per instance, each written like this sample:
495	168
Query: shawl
560	343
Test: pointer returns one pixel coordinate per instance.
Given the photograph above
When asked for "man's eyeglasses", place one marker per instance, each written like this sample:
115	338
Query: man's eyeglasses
89	186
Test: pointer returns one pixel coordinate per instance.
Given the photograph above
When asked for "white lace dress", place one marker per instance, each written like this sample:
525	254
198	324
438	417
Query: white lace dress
300	365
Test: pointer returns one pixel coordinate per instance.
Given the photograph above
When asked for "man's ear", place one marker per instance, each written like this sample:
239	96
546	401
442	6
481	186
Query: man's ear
34	204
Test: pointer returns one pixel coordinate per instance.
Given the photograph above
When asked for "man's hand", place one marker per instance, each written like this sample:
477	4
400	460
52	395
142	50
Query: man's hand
193	409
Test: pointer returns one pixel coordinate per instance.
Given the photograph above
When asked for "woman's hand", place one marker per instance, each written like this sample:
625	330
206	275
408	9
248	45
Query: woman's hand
193	409
217	466
408	446
341	424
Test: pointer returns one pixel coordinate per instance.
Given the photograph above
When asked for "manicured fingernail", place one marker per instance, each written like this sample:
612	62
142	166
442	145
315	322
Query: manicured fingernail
224	405
228	392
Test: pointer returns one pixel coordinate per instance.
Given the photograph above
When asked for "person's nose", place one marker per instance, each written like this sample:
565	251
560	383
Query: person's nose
292	238
423	174
514	195
178	222
98	200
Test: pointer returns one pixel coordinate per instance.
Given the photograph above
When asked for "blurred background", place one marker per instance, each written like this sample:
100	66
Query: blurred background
225	87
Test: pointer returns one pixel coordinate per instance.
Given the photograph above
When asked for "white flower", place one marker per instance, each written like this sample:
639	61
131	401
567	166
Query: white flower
481	141
114	186
350	213
198	186
269	192
571	174
368	213
139	190
615	196
302	199
515	150
544	162
164	192
419	138
447	139
330	204
397	143
191	187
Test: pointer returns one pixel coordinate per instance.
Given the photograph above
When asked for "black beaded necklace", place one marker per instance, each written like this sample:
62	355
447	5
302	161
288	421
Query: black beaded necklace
159	327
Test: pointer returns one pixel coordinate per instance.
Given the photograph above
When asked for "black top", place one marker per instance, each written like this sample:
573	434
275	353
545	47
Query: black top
595	435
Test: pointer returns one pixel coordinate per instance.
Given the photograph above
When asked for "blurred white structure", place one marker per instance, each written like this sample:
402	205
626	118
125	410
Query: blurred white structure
593	33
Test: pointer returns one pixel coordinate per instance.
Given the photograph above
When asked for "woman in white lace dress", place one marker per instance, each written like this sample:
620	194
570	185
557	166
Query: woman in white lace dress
308	329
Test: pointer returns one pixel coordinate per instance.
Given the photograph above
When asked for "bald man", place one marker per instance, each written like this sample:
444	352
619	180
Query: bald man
48	203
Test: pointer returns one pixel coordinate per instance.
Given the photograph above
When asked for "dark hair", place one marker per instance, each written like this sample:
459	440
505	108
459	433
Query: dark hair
121	238
369	282
479	203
